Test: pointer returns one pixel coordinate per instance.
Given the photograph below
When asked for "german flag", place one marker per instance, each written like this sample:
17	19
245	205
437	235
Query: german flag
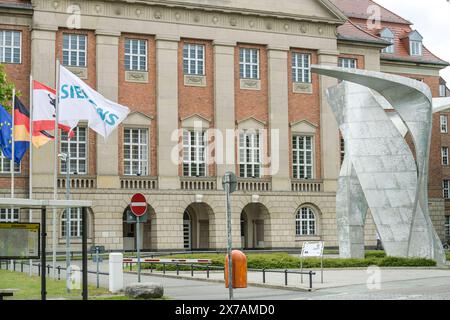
22	127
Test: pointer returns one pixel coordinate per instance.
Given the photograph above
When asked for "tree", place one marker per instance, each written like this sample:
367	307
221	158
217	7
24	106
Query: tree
6	89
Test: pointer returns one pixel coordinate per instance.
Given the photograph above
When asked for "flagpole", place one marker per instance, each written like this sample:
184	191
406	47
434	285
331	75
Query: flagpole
13	138
30	174
55	176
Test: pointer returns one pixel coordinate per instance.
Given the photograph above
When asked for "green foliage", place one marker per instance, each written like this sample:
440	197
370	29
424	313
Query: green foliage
6	89
447	254
287	261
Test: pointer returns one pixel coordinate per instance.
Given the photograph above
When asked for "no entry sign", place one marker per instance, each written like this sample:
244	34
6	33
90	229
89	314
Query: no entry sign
138	205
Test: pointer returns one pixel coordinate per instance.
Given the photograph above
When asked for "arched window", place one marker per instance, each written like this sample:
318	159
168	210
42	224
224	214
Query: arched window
305	222
187	230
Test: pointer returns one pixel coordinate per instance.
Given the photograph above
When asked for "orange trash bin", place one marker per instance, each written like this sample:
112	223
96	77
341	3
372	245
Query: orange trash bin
239	269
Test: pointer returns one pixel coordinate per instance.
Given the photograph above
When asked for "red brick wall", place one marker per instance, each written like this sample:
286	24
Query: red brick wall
197	100
19	74
252	103
305	107
91	81
140	97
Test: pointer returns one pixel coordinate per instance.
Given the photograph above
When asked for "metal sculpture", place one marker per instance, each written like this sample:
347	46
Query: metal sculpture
380	172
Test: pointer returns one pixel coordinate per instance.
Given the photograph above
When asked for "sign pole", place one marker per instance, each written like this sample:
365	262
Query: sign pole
230	262
97	249
138	247
43	252
139	208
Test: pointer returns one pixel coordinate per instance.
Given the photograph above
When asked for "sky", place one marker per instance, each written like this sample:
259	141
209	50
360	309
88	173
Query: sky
432	19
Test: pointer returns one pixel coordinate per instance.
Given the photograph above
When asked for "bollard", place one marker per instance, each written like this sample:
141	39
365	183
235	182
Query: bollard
131	266
14	265
178	269
115	272
264	275
151	267
59	272
310	279
285	277
192	270
21	266
164	268
207	271
48	269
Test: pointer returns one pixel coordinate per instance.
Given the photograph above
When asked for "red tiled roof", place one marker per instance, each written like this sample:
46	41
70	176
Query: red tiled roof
361	9
350	31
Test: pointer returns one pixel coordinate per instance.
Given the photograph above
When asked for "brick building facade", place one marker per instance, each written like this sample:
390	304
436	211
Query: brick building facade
205	68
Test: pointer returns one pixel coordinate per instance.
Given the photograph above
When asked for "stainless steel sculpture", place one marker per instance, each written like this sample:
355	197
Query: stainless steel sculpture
379	171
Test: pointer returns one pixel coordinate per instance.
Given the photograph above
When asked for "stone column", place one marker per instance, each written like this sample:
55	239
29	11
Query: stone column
224	107
279	117
167	104
108	85
43	70
330	153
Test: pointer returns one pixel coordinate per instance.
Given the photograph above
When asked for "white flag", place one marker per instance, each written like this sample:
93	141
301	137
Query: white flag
78	101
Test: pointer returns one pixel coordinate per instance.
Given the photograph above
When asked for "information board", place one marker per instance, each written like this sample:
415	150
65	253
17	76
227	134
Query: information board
312	249
19	241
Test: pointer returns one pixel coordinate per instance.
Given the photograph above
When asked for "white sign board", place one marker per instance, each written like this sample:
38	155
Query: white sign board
312	249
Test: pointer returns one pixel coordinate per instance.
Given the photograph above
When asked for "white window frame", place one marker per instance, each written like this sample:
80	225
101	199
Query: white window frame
444	156
442	90
187	231
7	162
247	63
4	58
75	158
302	154
445	189
8	215
70	51
391	48
444	124
305	222
350	63
194	64
194	154
416	47
137	60
254	153
447	226
301	67
142	146
75	223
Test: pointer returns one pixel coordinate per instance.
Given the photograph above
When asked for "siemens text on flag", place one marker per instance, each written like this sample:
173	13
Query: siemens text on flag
78	102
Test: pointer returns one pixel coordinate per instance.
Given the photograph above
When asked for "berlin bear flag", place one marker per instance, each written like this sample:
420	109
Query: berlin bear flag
78	101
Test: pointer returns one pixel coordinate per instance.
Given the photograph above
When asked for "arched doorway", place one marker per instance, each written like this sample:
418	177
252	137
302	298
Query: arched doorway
255	227
148	235
198	227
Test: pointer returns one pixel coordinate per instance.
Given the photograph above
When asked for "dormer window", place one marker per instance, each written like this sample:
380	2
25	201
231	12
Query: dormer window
388	36
415	43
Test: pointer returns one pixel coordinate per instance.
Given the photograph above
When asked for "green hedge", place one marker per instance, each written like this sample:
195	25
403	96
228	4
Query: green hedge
287	261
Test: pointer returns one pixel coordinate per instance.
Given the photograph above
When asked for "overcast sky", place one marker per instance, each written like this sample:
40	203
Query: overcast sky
432	19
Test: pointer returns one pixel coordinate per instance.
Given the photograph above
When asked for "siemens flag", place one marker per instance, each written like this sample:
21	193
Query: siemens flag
78	101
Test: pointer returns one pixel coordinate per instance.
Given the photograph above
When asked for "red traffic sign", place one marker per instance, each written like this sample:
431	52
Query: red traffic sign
138	205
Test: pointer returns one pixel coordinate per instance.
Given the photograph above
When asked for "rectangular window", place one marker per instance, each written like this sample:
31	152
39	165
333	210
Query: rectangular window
194	59
416	48
75	223
342	150
442	90
77	146
135	155
447	226
249	63
9	215
10	46
5	165
445	189
194	150
348	63
444	156
391	48
135	55
303	157
444	124
250	155
301	67
74	50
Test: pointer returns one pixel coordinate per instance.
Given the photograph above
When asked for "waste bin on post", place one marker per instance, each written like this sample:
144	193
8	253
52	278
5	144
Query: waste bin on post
239	269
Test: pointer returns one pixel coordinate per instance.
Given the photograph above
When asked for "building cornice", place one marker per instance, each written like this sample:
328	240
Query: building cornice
177	12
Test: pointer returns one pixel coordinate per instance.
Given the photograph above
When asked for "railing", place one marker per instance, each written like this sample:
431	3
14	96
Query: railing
307	185
254	184
194	183
78	182
138	182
